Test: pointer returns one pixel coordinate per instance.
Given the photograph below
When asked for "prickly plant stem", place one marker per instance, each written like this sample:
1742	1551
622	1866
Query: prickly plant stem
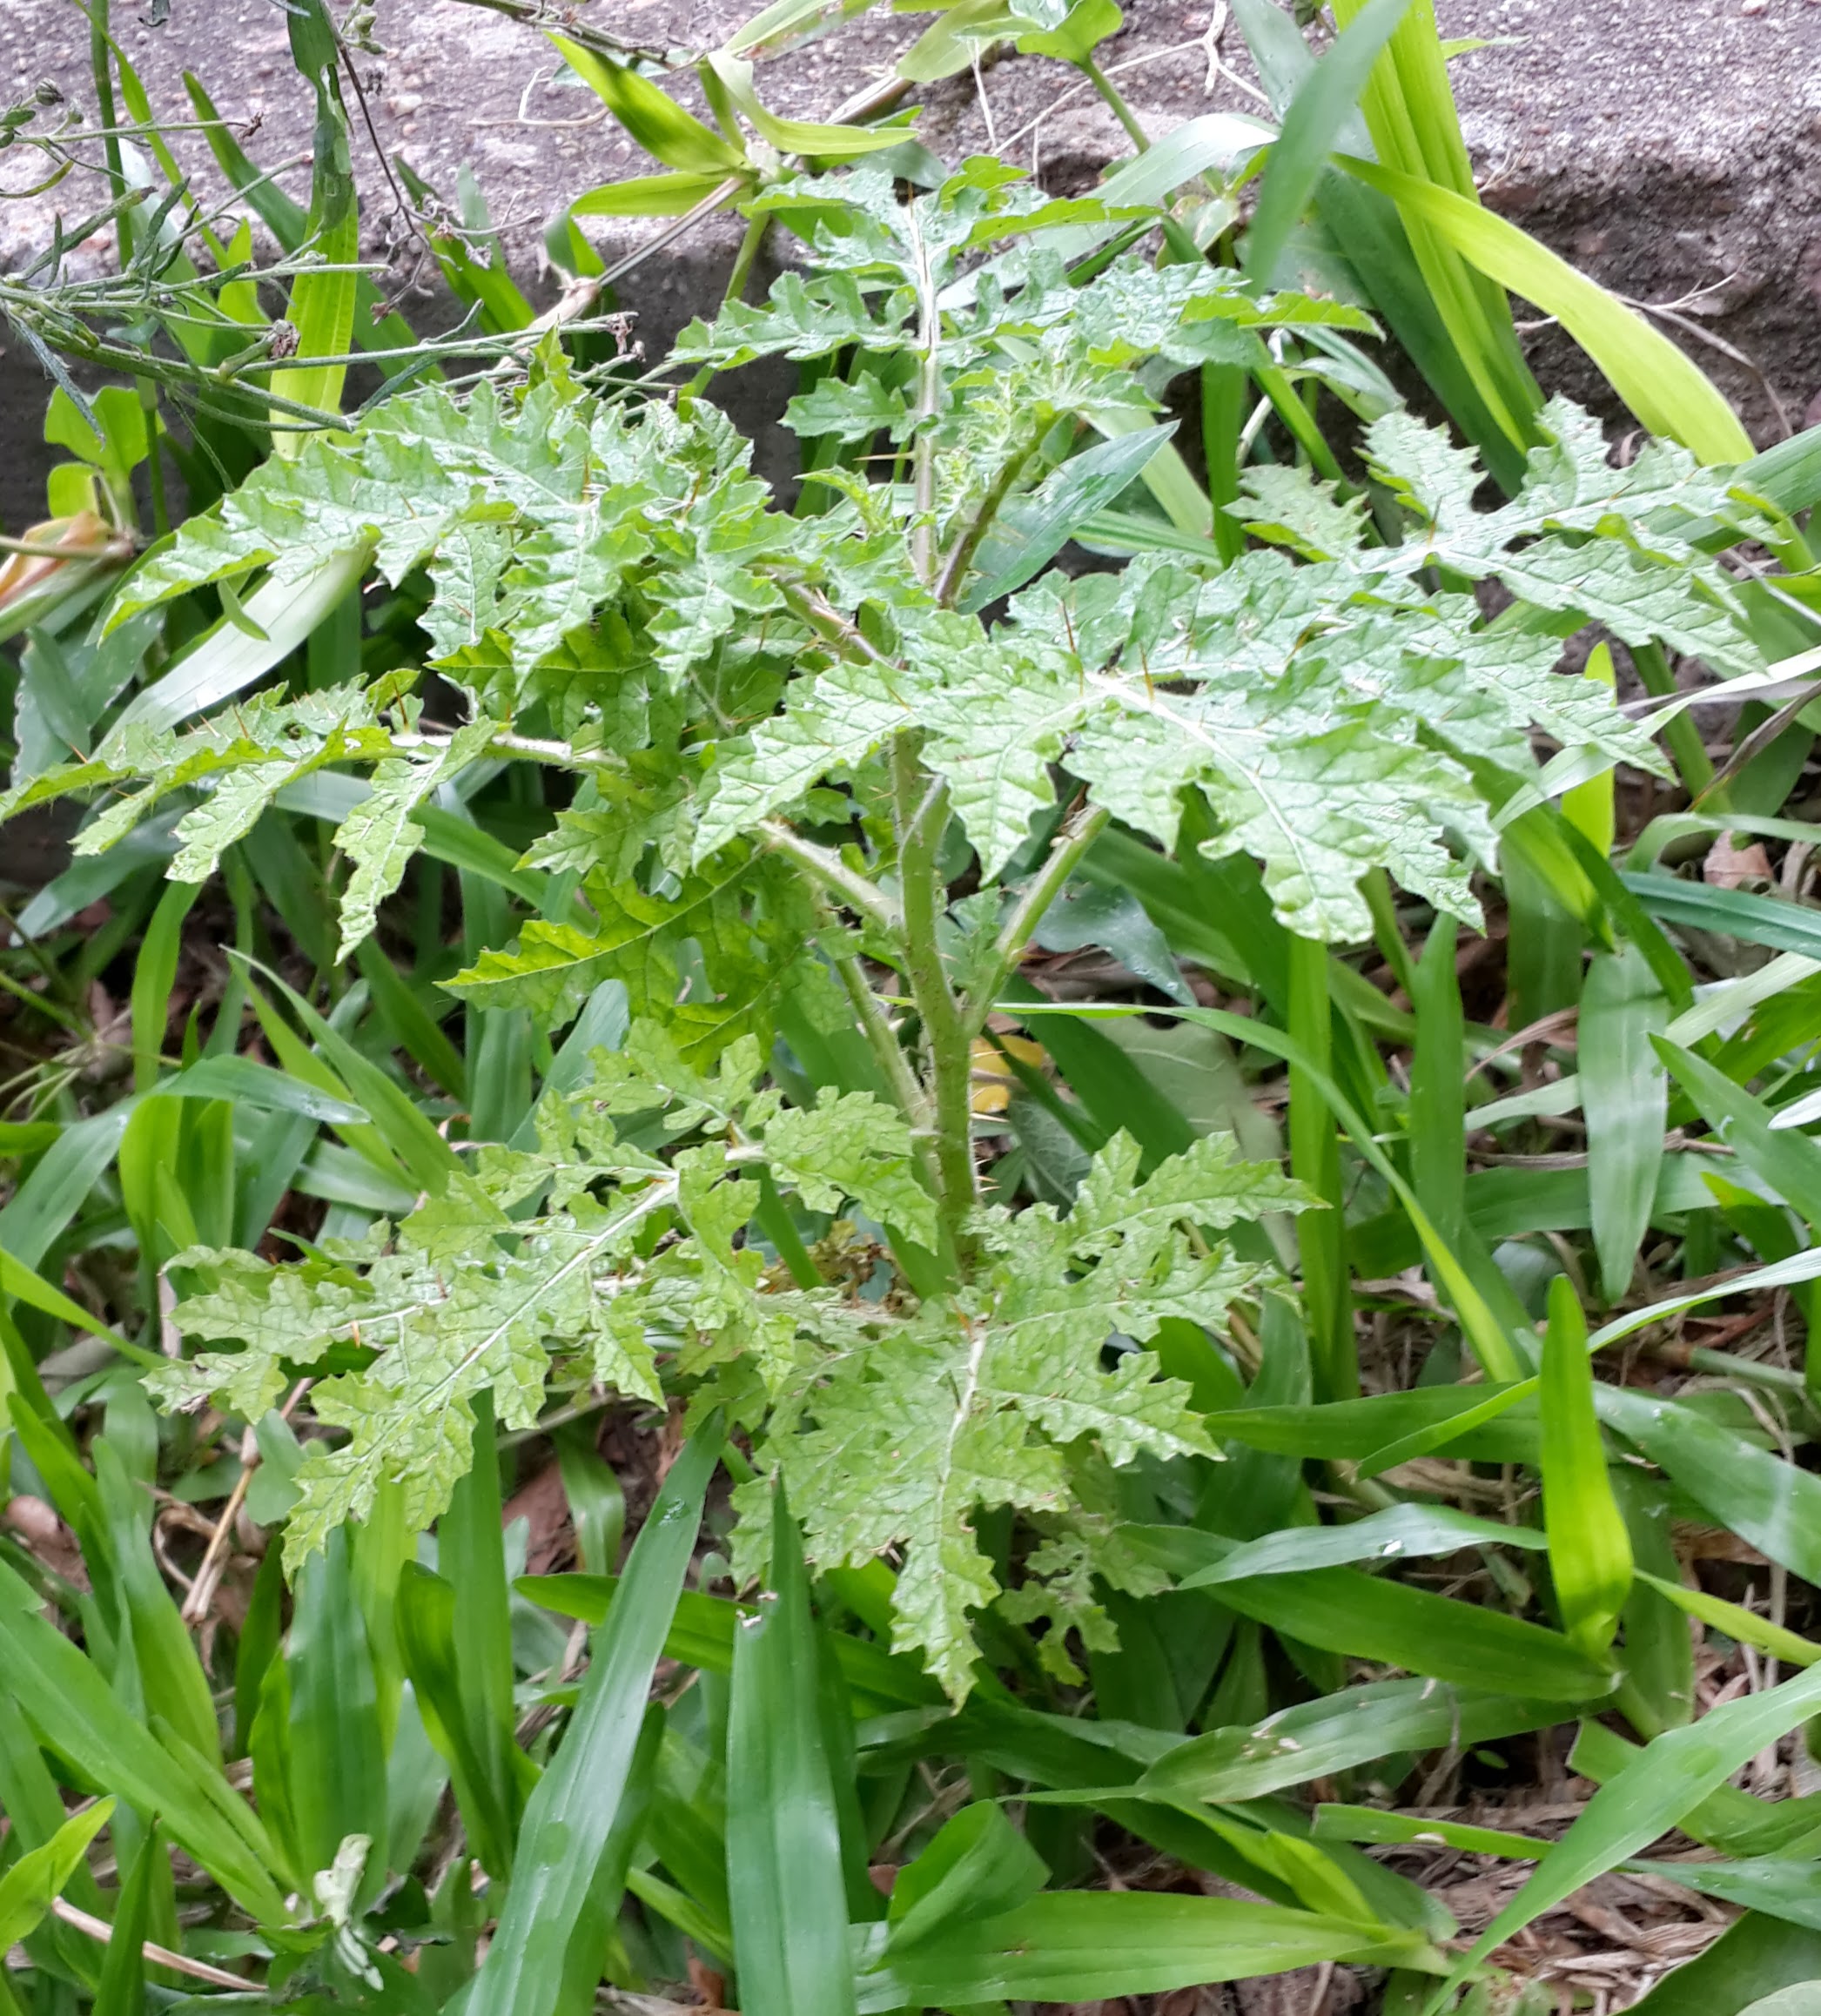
929	399
922	807
961	554
887	1053
826	868
1079	831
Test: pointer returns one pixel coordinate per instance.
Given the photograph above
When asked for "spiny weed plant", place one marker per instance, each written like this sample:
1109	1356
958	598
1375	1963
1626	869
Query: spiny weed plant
831	770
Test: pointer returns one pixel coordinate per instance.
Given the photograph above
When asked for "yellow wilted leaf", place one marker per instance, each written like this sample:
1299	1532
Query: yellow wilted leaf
992	1078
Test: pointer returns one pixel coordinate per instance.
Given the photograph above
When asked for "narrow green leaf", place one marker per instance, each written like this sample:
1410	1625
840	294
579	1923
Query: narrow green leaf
174	1685
122	1991
1032	530
1625	1095
569	1817
1317	1738
337	1754
1087	1946
659	124
1664	388
154	973
243	1082
1773	1505
36	1879
1315	1159
322	303
1587	807
82	1721
1401	1533
671	195
407	1133
425	1618
1311	128
785	1889
1342	1610
1659	1690
224	661
1590	1549
1787	1160
1438	1126
821	141
471	1553
1369	1823
978	1866
701	1634
1737	1623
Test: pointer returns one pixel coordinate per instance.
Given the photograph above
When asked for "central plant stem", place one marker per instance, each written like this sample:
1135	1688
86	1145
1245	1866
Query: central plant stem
921	804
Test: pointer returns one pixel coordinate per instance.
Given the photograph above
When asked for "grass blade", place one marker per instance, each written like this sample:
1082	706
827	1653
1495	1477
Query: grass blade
77	1713
154	971
1316	1157
569	1817
29	1888
425	1621
1773	1505
471	1555
1318	1738
1759	920
322	304
122	1991
1590	1549
1087	1946
1666	390
176	1688
337	1754
785	1889
1625	1096
1311	127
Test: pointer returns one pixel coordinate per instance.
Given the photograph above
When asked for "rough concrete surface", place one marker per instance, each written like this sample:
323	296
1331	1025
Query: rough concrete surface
1669	146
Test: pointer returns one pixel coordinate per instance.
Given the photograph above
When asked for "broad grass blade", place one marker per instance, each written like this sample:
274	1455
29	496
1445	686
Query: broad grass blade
122	1991
1625	1096
569	1817
1787	1161
1085	1945
322	304
1317	1738
154	973
425	1623
1758	920
1312	124
337	1753
1668	391
1659	1690
29	1888
77	1711
1316	1157
1773	1505
1590	1549
786	1895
